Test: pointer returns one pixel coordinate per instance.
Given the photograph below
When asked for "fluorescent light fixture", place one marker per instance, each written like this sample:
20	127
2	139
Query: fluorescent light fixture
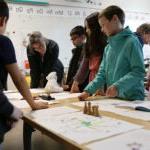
36	2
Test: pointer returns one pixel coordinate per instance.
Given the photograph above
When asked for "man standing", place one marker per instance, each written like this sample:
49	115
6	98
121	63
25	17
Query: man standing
77	35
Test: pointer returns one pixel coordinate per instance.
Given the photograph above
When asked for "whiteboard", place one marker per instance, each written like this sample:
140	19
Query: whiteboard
55	22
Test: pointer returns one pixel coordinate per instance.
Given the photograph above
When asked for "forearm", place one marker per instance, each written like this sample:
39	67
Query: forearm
23	88
93	86
20	82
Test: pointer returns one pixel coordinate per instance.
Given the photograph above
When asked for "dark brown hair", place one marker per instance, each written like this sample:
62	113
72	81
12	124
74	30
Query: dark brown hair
96	42
110	11
77	30
143	29
4	10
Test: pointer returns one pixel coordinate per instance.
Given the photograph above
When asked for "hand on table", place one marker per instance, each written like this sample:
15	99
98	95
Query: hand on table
84	95
112	91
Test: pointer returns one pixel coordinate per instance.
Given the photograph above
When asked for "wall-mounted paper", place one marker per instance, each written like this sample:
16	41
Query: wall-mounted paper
78	3
35	2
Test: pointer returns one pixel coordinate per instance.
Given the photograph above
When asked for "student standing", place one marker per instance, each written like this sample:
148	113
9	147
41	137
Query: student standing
94	48
8	64
122	68
77	35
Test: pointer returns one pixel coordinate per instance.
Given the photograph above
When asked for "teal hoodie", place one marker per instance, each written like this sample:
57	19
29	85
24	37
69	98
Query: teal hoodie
122	66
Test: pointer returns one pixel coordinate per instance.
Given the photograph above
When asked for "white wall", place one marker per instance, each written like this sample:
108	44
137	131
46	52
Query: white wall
130	5
55	22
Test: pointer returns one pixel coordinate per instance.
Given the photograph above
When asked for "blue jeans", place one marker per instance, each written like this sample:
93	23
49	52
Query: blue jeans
4	128
1	146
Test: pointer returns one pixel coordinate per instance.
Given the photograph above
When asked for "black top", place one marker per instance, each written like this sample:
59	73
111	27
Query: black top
77	55
41	67
7	56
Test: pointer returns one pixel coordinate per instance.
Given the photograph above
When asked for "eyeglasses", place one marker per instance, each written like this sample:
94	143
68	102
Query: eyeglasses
73	38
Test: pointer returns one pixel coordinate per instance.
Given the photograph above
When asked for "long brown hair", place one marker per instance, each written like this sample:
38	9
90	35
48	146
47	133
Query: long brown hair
97	41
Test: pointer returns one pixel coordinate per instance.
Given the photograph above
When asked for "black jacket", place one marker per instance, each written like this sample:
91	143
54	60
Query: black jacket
39	68
77	55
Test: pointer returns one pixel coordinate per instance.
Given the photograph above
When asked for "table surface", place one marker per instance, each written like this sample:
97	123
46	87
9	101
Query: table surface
28	118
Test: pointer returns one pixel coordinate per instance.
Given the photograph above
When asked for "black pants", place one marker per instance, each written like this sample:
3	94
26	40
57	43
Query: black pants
1	138
3	129
27	135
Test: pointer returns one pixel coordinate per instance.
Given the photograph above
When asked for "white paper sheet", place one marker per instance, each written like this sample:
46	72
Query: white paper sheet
37	90
23	103
135	104
105	102
112	106
82	128
65	95
14	96
58	96
135	140
10	91
20	104
45	114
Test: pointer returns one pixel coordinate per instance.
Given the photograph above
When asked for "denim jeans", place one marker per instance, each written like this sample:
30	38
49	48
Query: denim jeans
1	146
4	128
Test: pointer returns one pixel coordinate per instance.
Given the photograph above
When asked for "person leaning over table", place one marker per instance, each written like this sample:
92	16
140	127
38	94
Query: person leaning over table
122	68
43	59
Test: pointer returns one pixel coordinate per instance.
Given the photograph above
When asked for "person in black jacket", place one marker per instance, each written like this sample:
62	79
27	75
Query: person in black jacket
43	58
77	35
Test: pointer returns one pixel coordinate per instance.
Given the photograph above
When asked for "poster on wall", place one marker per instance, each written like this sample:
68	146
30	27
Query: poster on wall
35	2
94	4
78	3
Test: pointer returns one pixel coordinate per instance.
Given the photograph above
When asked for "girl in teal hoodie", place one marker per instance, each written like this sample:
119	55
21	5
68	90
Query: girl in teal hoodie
122	68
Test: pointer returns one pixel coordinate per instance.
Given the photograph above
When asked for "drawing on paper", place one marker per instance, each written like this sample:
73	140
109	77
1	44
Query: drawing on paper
135	146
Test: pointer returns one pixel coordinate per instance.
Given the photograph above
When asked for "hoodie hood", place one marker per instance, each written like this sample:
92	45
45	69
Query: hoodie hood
113	40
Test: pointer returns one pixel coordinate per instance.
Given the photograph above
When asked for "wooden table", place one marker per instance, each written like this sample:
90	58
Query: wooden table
30	125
